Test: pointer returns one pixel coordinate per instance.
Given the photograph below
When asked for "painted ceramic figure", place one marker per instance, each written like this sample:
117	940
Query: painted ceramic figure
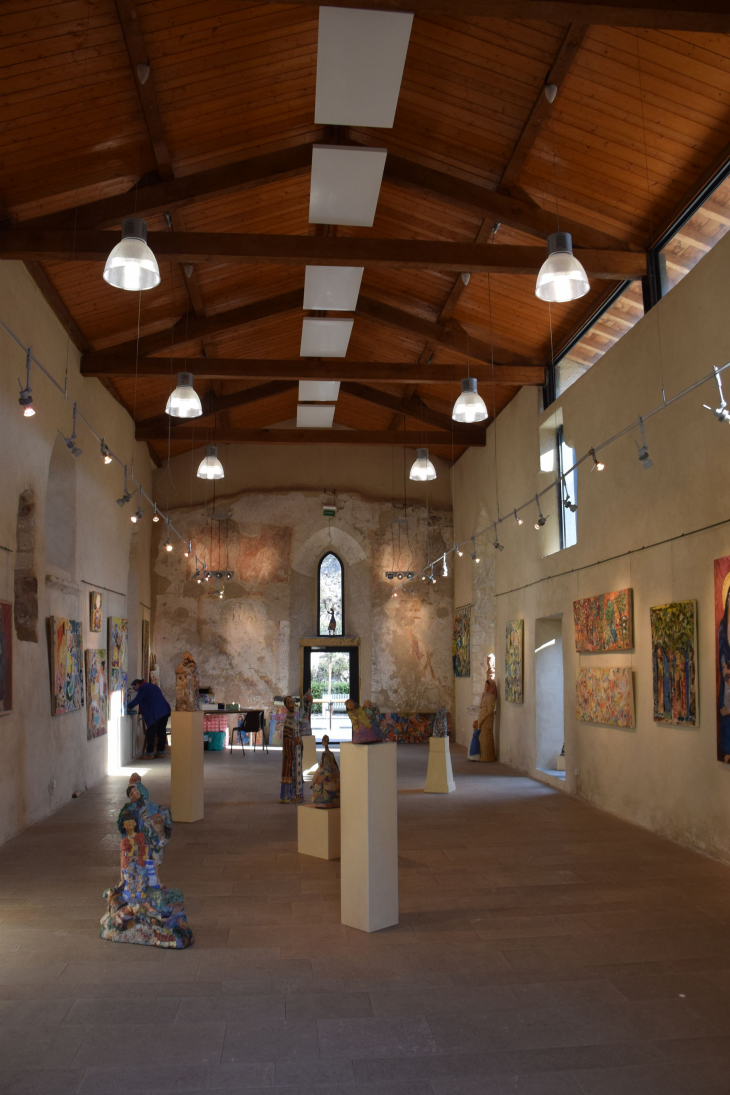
441	723
482	742
326	781
139	908
364	729
292	778
305	714
186	684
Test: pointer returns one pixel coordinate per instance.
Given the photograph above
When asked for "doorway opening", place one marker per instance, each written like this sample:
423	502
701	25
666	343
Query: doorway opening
549	687
333	674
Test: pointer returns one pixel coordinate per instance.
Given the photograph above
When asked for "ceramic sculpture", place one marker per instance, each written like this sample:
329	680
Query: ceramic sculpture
441	723
365	729
186	684
139	908
305	714
482	742
326	781
292	777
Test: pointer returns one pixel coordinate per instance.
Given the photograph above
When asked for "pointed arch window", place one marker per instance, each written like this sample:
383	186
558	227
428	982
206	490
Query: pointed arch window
331	595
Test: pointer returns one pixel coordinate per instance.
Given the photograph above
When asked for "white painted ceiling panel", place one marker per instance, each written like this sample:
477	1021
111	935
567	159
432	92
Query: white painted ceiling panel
360	59
345	184
315	417
318	391
325	337
332	288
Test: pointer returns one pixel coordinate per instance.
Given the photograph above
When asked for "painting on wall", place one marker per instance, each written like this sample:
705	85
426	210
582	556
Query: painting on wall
95	602
117	660
95	693
513	659
145	667
67	665
722	657
604	623
674	662
605	696
6	657
461	644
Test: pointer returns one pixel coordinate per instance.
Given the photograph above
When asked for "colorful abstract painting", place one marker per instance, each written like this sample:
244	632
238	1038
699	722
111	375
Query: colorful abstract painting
604	623
6	657
67	665
145	667
605	696
722	657
461	646
95	602
117	660
674	662
95	693
513	661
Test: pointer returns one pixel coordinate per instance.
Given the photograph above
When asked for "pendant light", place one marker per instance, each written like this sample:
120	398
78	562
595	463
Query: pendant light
184	402
561	276
422	469
131	264
469	407
210	466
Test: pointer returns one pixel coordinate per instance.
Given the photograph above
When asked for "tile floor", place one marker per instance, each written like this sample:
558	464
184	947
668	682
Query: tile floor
544	948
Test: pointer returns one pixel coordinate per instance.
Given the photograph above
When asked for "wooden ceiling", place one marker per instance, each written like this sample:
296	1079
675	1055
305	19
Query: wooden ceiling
214	150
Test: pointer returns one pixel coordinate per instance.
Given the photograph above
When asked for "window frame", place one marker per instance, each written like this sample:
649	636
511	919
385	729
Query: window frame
321	634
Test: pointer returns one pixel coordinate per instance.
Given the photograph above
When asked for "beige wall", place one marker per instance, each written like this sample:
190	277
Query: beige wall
44	759
665	778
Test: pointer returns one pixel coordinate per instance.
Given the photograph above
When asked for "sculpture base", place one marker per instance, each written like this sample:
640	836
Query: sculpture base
186	766
318	832
440	777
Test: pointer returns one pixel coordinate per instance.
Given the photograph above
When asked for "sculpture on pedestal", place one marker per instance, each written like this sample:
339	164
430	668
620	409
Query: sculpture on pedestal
292	777
326	781
441	723
482	742
139	908
186	684
365	729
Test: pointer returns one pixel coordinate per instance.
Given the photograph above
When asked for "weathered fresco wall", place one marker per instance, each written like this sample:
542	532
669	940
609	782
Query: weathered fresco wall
248	644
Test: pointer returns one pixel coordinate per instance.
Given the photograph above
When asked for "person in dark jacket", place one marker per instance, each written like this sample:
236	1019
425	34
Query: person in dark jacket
155	711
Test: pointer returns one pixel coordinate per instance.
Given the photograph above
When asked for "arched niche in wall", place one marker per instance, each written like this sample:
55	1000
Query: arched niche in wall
60	512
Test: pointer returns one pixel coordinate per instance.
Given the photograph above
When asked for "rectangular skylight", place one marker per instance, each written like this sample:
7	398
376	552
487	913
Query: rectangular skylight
318	391
332	288
345	184
325	337
360	59
315	417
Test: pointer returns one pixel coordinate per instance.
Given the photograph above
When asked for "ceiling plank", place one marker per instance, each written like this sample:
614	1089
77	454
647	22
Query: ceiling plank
138	55
541	110
111	365
398	254
412	408
411	439
704	15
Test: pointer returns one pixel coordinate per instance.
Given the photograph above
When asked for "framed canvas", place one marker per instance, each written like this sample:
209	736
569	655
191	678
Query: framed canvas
117	658
67	665
145	668
722	657
513	661
674	663
461	643
95	661
6	657
604	623
605	696
95	602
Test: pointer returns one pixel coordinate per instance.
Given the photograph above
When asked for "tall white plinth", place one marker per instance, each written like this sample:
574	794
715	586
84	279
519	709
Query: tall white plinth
309	752
440	777
186	766
369	839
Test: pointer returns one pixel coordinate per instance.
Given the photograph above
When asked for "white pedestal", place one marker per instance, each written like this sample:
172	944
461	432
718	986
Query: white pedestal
560	764
309	754
318	832
186	766
369	808
440	777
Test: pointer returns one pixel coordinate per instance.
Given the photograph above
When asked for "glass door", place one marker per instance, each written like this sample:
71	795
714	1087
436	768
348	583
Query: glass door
333	674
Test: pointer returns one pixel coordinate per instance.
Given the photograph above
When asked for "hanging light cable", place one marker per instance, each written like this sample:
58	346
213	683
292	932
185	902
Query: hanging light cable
184	402
131	264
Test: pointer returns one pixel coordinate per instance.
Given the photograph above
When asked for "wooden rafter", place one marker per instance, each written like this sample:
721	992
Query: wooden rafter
215	404
138	55
275	436
411	408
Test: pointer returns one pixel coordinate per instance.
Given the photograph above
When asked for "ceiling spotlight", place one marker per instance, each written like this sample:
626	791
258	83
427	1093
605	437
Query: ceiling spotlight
540	520
137	515
197	577
184	402
126	497
518	519
168	545
131	264
400	575
423	577
444	568
469	407
188	549
220	593
210	466
567	501
207	576
26	399
644	457
551	90
395	592
71	443
561	276
155	515
474	555
495	542
105	454
721	413
422	469
229	575
598	465
458	551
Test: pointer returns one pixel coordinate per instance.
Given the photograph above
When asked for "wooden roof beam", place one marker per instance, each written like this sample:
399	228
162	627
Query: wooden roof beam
411	408
139	55
410	439
217	404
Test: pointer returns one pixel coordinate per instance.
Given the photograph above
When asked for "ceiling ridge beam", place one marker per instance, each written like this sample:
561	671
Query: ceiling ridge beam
410	438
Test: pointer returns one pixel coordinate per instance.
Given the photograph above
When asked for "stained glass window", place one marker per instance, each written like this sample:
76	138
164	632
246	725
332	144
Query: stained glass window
330	594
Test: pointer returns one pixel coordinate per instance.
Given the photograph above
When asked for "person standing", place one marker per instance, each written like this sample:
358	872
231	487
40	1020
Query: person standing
155	711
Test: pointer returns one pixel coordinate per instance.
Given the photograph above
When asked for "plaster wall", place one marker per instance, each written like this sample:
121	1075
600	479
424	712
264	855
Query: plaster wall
44	759
549	688
656	531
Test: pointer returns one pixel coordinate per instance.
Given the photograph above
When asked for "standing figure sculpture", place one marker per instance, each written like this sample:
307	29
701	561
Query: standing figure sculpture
186	684
326	781
292	777
482	742
364	729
